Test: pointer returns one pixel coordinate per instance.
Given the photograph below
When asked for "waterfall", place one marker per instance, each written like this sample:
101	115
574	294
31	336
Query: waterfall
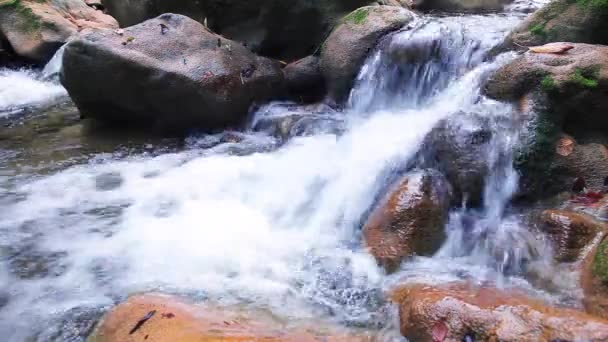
258	226
26	88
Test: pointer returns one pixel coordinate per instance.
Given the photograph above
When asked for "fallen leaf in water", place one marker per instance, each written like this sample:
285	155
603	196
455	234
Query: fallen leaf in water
554	48
565	146
440	332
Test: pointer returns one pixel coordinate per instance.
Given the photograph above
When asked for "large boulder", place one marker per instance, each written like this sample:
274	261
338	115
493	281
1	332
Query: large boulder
463	312
157	317
410	219
37	29
349	44
282	29
170	71
570	232
566	92
577	21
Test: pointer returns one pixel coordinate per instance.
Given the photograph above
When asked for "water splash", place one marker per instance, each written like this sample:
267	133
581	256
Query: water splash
20	89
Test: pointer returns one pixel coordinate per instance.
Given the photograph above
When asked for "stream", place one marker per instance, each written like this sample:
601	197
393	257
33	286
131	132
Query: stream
255	219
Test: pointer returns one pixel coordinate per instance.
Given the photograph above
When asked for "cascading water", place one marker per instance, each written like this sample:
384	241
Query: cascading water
261	227
30	88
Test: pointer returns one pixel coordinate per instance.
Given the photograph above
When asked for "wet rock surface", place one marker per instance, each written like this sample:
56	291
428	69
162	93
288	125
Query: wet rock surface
275	28
304	79
571	232
36	29
455	312
562	21
410	219
594	278
346	48
169	73
156	317
456	147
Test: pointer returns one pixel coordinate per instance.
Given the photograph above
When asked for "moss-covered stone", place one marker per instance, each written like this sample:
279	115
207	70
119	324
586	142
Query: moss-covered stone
600	262
538	29
585	78
548	83
357	16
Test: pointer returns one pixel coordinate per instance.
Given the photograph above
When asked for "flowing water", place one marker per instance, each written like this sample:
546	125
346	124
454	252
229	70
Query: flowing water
262	221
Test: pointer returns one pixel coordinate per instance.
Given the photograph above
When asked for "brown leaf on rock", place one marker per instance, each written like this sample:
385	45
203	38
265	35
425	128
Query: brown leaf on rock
553	48
565	146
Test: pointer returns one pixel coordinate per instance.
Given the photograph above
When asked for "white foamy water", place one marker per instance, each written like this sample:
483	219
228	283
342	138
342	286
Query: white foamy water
277	230
21	88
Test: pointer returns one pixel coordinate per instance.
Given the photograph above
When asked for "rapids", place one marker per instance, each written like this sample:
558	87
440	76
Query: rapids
258	223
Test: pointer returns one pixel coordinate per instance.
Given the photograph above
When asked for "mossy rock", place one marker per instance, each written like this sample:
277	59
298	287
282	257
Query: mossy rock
577	21
345	50
600	262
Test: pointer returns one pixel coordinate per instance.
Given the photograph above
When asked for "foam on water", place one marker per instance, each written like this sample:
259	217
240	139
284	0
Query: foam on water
21	88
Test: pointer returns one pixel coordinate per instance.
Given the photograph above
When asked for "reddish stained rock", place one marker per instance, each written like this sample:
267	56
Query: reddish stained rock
570	232
410	219
490	314
193	323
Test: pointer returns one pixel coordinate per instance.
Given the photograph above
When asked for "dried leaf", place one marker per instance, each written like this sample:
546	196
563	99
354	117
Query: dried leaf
565	146
440	332
554	48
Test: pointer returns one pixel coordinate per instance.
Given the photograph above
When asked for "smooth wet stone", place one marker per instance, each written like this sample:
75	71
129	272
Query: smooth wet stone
410	219
349	44
169	73
157	317
458	310
594	278
570	232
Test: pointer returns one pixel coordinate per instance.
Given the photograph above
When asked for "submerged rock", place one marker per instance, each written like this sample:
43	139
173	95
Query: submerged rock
455	311
37	29
347	47
577	21
456	146
156	317
410	219
168	72
570	232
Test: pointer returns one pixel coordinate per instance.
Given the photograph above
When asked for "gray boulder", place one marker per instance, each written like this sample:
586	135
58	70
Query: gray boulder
169	72
347	47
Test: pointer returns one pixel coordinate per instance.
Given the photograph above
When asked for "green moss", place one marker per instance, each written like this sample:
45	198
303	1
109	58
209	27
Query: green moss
538	30
28	21
548	83
596	5
600	262
357	16
585	78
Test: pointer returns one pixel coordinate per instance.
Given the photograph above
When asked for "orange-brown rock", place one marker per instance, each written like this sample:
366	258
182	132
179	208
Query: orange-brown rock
410	219
454	311
570	232
167	318
594	279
